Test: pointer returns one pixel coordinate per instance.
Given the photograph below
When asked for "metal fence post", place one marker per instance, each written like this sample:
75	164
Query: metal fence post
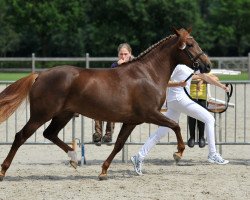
249	66
83	157
33	63
125	153
87	60
220	133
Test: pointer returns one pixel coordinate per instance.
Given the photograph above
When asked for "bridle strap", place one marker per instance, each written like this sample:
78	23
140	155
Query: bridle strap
194	59
198	55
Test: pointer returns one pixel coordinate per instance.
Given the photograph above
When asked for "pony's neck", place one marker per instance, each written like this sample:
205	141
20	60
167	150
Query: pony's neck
161	61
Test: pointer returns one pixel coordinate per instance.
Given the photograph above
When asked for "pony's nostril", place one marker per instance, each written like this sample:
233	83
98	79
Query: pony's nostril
208	68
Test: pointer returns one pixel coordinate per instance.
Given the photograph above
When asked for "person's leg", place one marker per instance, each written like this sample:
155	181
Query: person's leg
109	132
97	136
196	111
201	126
152	141
158	134
191	125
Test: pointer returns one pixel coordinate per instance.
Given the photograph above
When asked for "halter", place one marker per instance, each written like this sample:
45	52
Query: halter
196	64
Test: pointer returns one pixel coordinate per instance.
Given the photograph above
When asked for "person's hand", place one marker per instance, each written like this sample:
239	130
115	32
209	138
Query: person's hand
182	83
227	89
199	85
121	61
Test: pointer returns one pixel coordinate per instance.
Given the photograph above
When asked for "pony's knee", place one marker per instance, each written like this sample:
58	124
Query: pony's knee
47	134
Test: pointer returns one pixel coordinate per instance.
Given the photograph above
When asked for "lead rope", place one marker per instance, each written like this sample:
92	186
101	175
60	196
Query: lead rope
229	94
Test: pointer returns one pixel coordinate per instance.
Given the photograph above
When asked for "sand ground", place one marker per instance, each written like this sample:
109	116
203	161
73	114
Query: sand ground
43	172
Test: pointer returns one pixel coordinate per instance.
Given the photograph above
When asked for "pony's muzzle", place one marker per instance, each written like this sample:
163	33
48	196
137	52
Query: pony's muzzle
205	68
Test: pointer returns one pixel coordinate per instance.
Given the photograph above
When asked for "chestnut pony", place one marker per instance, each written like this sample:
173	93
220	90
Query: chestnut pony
132	93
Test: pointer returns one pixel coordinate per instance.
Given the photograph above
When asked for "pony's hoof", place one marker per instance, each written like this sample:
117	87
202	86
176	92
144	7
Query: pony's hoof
73	164
1	176
98	143
177	157
107	138
103	177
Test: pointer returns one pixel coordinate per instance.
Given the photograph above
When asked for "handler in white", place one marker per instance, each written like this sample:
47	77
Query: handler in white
178	102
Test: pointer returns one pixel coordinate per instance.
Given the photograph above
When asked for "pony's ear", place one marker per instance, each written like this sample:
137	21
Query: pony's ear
182	41
176	31
189	30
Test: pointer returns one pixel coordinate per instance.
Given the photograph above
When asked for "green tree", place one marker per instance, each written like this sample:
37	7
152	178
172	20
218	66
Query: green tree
231	27
140	23
74	27
9	39
49	28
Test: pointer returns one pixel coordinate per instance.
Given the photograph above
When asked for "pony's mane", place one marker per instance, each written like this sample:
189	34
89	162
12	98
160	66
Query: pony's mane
152	47
142	54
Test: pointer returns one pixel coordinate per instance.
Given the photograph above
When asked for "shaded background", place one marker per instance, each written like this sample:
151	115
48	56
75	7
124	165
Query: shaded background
51	28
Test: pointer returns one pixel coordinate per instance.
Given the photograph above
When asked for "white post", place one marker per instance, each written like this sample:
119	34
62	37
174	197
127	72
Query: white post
125	153
83	159
33	63
87	60
249	66
220	133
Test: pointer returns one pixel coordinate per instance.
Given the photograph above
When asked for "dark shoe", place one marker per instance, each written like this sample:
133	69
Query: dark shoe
97	137
107	138
202	142
191	142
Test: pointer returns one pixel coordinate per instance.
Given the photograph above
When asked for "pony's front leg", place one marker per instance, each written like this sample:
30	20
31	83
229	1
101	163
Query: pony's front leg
180	144
120	141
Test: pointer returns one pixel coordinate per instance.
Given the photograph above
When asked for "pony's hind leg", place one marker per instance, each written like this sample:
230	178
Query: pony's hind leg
20	138
120	141
52	131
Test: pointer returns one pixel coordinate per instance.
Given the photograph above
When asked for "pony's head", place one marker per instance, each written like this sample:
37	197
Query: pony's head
190	53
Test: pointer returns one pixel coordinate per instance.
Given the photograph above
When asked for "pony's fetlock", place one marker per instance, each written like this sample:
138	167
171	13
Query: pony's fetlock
73	156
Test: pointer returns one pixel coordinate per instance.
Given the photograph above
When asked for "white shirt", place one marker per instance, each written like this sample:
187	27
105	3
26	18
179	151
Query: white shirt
180	73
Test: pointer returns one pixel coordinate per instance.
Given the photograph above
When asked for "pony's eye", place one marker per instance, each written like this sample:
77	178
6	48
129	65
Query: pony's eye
189	45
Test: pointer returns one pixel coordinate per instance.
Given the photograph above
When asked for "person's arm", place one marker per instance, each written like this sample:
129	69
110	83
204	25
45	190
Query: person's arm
115	64
213	81
177	84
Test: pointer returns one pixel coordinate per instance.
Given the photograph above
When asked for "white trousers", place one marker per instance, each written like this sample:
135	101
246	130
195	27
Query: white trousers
175	108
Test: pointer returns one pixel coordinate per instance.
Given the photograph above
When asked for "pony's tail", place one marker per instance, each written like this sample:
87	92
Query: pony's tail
13	95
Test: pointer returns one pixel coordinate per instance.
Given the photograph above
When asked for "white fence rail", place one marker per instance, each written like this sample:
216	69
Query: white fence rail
233	63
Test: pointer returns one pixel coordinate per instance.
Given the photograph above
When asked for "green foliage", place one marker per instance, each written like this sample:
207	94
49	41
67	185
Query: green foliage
49	28
9	39
140	23
231	25
71	28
